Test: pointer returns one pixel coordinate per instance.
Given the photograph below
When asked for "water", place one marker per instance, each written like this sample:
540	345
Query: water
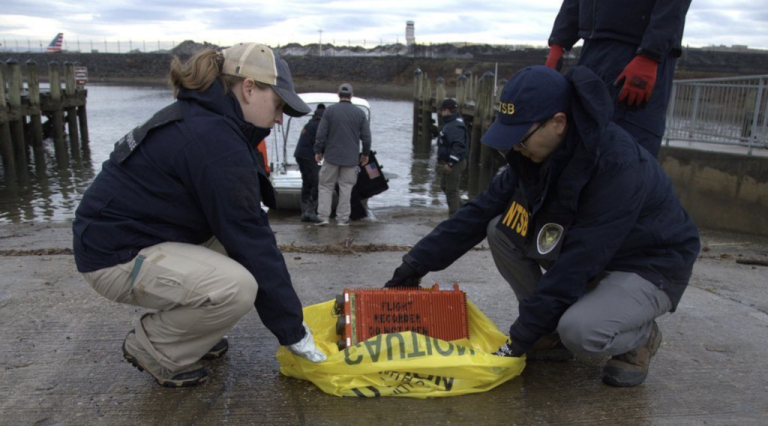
113	110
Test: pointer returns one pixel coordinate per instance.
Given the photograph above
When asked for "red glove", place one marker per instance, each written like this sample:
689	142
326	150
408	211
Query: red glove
555	57
638	79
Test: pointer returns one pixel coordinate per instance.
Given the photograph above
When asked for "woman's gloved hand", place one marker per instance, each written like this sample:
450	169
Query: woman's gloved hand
306	348
405	276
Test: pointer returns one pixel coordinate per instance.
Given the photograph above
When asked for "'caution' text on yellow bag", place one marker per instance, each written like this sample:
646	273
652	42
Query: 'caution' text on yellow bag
404	364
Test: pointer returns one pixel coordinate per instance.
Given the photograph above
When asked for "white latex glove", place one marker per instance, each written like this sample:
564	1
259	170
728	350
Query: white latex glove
306	348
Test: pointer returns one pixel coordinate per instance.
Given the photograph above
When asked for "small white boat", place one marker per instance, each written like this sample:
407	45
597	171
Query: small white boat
285	175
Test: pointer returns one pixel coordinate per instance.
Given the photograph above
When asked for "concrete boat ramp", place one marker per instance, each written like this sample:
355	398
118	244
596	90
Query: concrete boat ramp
61	364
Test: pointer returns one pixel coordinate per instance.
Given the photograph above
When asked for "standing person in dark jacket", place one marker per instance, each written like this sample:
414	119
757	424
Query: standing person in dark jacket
338	143
305	158
633	46
582	200
452	152
173	221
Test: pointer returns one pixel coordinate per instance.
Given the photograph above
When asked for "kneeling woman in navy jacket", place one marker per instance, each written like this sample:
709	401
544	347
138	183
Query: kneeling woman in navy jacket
173	222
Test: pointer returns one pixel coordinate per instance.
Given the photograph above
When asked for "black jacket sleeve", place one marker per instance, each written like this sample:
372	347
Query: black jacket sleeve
457	140
565	31
665	29
227	187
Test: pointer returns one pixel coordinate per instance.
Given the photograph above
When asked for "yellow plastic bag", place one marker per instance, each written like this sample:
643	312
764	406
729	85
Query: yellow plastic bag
403	364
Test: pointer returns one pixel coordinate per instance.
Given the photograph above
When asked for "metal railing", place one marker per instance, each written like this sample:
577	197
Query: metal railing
727	111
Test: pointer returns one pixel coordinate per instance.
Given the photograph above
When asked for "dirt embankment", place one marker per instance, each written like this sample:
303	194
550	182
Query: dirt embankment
381	71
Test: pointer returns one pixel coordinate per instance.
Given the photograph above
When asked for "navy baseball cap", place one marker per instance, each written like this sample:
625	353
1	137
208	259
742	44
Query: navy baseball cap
532	95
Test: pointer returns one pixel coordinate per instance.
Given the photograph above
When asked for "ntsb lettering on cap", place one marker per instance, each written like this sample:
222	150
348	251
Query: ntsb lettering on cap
506	108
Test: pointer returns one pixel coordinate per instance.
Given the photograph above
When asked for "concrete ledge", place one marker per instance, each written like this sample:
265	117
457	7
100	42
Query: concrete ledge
721	191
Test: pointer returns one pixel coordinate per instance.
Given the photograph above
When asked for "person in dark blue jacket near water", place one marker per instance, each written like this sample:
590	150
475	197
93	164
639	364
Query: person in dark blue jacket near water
633	46
581	199
310	170
453	141
173	222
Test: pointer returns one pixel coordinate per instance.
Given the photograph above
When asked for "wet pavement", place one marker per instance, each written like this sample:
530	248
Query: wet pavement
60	359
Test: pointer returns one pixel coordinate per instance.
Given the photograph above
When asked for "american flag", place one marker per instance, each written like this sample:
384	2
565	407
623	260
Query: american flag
372	170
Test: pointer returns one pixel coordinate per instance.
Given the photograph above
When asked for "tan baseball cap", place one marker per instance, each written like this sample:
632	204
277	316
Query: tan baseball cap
259	62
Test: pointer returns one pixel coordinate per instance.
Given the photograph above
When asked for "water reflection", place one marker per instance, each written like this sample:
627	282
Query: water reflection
54	186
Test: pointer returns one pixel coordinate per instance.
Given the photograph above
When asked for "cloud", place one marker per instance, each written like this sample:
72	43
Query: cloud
284	21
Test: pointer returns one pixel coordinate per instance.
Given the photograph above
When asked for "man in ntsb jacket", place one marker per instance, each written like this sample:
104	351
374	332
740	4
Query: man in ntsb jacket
582	200
633	46
451	152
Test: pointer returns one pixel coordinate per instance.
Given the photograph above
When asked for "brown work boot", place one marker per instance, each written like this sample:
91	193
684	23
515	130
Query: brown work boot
549	348
631	368
135	354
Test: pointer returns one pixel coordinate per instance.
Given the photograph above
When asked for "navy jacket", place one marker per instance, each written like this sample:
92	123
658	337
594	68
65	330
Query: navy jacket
452	141
618	205
187	181
306	146
655	26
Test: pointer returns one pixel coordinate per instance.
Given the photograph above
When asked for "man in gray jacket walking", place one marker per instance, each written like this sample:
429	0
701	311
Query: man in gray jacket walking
338	142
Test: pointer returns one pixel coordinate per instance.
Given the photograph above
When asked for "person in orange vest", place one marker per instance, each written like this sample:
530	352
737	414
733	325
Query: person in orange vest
262	147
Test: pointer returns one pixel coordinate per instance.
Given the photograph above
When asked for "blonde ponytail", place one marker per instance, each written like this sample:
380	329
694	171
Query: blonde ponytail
199	72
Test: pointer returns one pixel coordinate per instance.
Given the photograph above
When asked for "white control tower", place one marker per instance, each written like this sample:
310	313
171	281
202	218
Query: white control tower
410	38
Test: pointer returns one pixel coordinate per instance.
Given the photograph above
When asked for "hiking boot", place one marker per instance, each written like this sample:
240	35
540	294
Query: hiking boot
141	359
549	348
631	368
217	351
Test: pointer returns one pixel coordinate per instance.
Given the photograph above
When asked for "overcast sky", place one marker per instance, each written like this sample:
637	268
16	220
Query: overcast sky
709	22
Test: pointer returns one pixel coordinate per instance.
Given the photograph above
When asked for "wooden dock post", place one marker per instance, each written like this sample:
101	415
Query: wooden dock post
16	119
440	95
58	116
426	113
82	118
35	119
69	89
418	79
499	87
461	90
480	156
6	144
484	117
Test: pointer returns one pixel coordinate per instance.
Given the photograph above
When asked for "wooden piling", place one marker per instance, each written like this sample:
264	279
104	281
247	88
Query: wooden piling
461	90
418	78
60	148
426	113
480	156
69	89
6	144
440	95
15	119
35	119
484	117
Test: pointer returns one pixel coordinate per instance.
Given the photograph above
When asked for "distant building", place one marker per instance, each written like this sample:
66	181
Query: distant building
410	38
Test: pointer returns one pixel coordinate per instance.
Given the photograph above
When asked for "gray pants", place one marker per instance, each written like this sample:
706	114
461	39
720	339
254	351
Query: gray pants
198	291
615	316
346	177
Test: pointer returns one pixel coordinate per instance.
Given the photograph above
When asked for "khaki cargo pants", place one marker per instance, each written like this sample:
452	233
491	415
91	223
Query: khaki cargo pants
198	291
